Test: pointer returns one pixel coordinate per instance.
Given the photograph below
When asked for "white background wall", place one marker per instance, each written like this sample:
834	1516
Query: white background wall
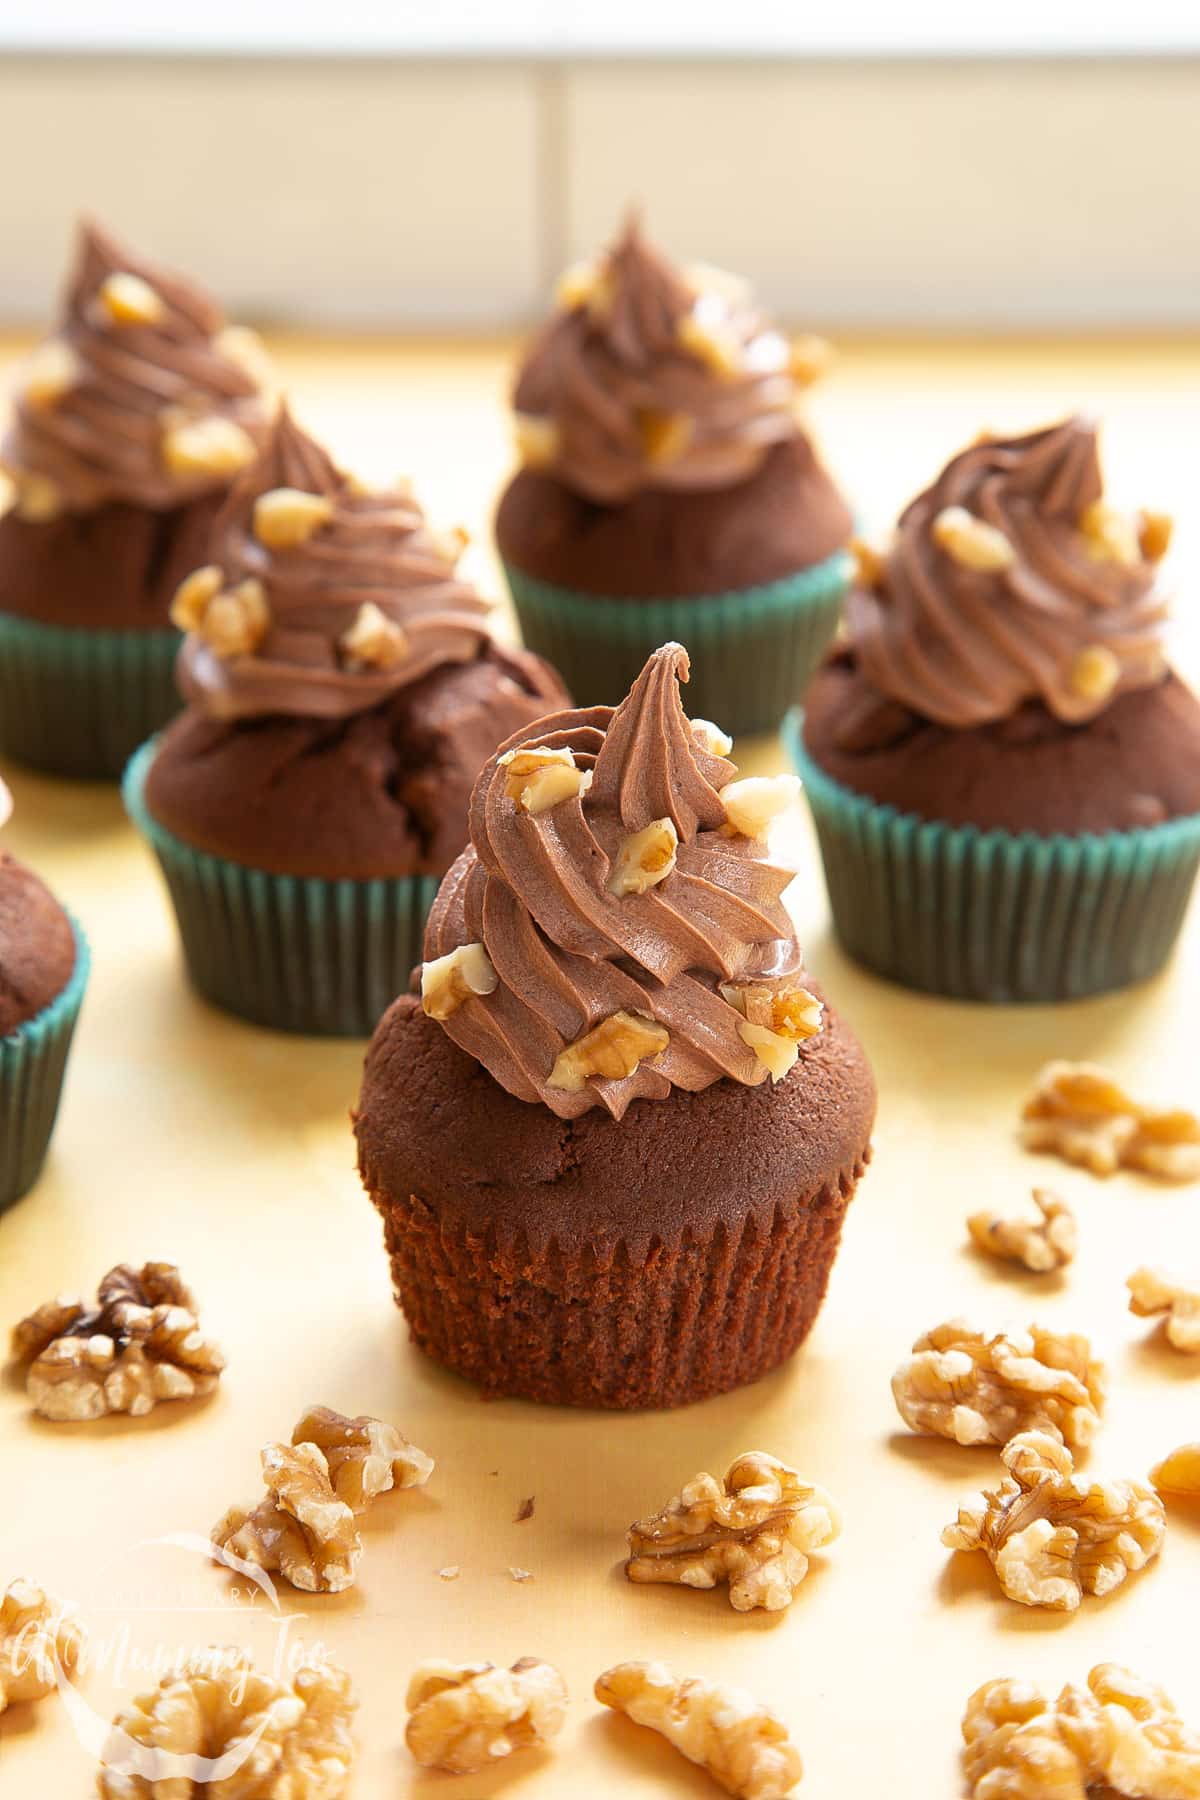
965	193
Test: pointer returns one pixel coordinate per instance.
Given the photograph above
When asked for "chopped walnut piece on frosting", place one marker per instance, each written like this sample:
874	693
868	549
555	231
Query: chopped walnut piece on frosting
449	980
711	738
372	640
220	1728
645	858
138	1344
611	1050
753	803
776	1020
465	1717
127	299
1155	531
1110	535
365	1457
1080	1113
1120	1737
1040	1244
974	1389
286	517
300	1528
742	1744
1152	1292
754	1531
207	446
37	1643
52	370
1053	1536
231	621
538	779
972	541
1178	1475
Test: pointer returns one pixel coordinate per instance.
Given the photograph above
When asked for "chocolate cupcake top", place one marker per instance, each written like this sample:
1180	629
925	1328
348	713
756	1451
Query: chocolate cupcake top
616	927
1011	580
142	395
323	599
37	944
648	376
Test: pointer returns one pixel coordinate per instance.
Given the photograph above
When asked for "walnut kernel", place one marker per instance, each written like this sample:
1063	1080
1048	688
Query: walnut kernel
1179	1473
1052	1535
1042	1245
713	741
365	1457
753	803
1078	1112
712	342
809	359
1110	536
465	1717
665	436
299	1528
611	1050
962	1385
869	563
776	1020
972	542
1153	1292
537	440
244	348
1155	531
52	371
194	595
237	620
373	641
575	285
285	518
742	1744
449	980
269	1739
754	1531
645	858
209	446
128	300
540	778
1094	673
36	1641
39	500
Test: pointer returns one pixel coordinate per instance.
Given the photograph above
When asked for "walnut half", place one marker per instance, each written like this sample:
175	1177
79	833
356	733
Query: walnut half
963	1385
741	1743
1120	1735
1040	1244
366	1457
1178	1475
1153	1292
1053	1536
463	1717
1079	1112
221	1728
755	1530
36	1641
299	1529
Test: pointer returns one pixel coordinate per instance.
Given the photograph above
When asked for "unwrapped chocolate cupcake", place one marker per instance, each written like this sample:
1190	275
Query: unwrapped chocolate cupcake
669	491
614	1138
130	424
1003	769
343	690
43	972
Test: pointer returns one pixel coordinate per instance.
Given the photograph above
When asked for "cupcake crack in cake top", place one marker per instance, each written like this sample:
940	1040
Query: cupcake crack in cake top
616	927
650	376
1010	580
322	599
143	395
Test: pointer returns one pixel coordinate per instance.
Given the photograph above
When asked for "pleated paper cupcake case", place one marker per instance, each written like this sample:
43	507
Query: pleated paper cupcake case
78	703
996	916
33	1062
294	953
752	649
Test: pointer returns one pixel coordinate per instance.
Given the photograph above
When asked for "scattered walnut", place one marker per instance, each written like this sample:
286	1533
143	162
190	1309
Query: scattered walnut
713	741
39	500
194	595
575	285
869	563
373	641
776	1019
645	858
754	1531
36	1641
285	518
742	1744
208	446
1052	1535
754	803
665	436
538	779
711	341
1094	673
52	371
1179	1473
1042	1245
971	541
244	348
366	1457
466	1716
1119	1736
977	1390
611	1050
221	1728
1078	1112
1152	1291
1110	536
125	299
537	440
449	980
809	359
299	1528
139	1344
1155	531
233	621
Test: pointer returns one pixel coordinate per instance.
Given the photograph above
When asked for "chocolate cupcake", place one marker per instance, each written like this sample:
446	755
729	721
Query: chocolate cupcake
129	425
43	972
1003	770
668	490
343	691
614	1138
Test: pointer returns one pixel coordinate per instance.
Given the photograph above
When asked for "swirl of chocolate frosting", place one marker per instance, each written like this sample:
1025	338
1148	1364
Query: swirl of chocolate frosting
567	948
141	396
647	377
1009	580
349	556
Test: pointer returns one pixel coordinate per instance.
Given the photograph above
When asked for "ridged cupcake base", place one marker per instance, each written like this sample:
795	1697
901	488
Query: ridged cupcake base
33	1061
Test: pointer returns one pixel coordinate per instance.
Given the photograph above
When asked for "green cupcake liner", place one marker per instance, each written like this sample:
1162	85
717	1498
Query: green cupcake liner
33	1060
995	915
79	702
292	952
752	649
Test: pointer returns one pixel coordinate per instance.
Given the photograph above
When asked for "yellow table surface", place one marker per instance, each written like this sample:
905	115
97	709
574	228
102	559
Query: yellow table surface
190	1137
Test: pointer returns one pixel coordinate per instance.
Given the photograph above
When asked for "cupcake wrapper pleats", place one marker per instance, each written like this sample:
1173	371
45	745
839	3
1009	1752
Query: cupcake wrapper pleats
292	952
752	650
991	915
33	1061
78	703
